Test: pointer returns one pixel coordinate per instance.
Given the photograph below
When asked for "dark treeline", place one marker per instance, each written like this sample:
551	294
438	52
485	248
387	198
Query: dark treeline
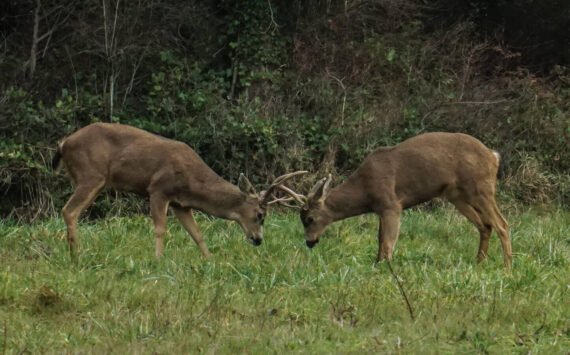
265	87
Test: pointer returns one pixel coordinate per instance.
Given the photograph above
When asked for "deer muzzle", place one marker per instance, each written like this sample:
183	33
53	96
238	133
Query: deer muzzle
311	243
255	240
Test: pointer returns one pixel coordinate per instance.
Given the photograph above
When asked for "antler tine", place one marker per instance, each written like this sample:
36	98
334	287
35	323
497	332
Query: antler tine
280	200
294	195
283	201
279	182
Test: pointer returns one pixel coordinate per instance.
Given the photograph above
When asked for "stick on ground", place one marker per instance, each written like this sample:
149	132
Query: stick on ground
402	291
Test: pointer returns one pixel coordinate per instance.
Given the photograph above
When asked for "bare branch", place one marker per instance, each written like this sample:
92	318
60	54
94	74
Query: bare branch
401	290
272	23
478	102
113	42
344	95
111	93
131	82
74	72
33	50
56	24
105	28
235	62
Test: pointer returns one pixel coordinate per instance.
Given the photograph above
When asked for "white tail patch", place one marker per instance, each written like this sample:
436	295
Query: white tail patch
497	155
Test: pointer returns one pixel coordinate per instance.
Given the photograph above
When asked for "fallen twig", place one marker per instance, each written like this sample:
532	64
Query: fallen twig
401	290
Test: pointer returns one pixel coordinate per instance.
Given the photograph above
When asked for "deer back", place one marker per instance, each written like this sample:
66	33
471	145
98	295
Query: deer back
131	159
427	166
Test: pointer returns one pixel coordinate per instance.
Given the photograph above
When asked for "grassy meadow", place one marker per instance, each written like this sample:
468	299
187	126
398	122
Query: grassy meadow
283	296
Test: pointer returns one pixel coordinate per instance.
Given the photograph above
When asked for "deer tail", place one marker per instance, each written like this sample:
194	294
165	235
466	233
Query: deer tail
497	155
500	165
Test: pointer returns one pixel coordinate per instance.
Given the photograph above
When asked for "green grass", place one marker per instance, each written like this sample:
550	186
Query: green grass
282	296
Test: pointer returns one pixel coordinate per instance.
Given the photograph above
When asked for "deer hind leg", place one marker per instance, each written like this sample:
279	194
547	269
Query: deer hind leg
82	197
484	229
158	210
187	220
491	215
388	233
504	234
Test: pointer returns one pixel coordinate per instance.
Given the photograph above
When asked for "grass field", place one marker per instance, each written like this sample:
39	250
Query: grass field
282	296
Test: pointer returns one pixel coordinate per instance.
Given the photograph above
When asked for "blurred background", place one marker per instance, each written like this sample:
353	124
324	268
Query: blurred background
267	87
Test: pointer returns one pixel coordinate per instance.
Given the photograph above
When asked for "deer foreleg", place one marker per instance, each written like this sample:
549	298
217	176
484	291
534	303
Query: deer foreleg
379	257
388	233
158	209
187	220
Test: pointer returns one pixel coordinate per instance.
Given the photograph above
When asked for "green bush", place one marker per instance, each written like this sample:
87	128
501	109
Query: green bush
269	87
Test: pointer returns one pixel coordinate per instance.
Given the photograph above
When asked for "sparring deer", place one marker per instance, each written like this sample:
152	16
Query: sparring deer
454	166
169	172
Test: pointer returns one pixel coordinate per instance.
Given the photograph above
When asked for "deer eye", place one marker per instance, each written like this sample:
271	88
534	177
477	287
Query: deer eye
259	216
309	220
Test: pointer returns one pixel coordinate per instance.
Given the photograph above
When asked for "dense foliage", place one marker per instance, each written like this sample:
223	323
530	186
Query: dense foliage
269	86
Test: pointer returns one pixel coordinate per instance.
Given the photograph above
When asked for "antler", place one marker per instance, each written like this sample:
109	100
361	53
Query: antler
294	195
320	189
278	184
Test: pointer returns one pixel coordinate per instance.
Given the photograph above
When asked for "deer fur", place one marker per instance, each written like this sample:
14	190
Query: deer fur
454	166
167	171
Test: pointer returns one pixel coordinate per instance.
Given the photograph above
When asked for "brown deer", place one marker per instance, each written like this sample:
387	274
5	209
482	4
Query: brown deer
169	172
454	166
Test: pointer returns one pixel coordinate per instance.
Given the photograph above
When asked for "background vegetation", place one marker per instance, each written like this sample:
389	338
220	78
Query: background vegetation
283	297
265	87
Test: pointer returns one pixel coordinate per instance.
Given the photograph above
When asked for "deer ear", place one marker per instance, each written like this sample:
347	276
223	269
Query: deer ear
245	186
320	191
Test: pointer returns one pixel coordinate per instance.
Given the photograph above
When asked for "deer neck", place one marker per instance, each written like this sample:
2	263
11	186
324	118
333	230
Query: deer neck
347	200
220	199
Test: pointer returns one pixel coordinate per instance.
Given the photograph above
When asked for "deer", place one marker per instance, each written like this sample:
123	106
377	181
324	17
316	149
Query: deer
168	172
454	166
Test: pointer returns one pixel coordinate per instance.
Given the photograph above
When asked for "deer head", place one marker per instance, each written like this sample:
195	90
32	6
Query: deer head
251	214
315	214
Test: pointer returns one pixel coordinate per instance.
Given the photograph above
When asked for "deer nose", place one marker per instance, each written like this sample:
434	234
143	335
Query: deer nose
256	241
311	243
